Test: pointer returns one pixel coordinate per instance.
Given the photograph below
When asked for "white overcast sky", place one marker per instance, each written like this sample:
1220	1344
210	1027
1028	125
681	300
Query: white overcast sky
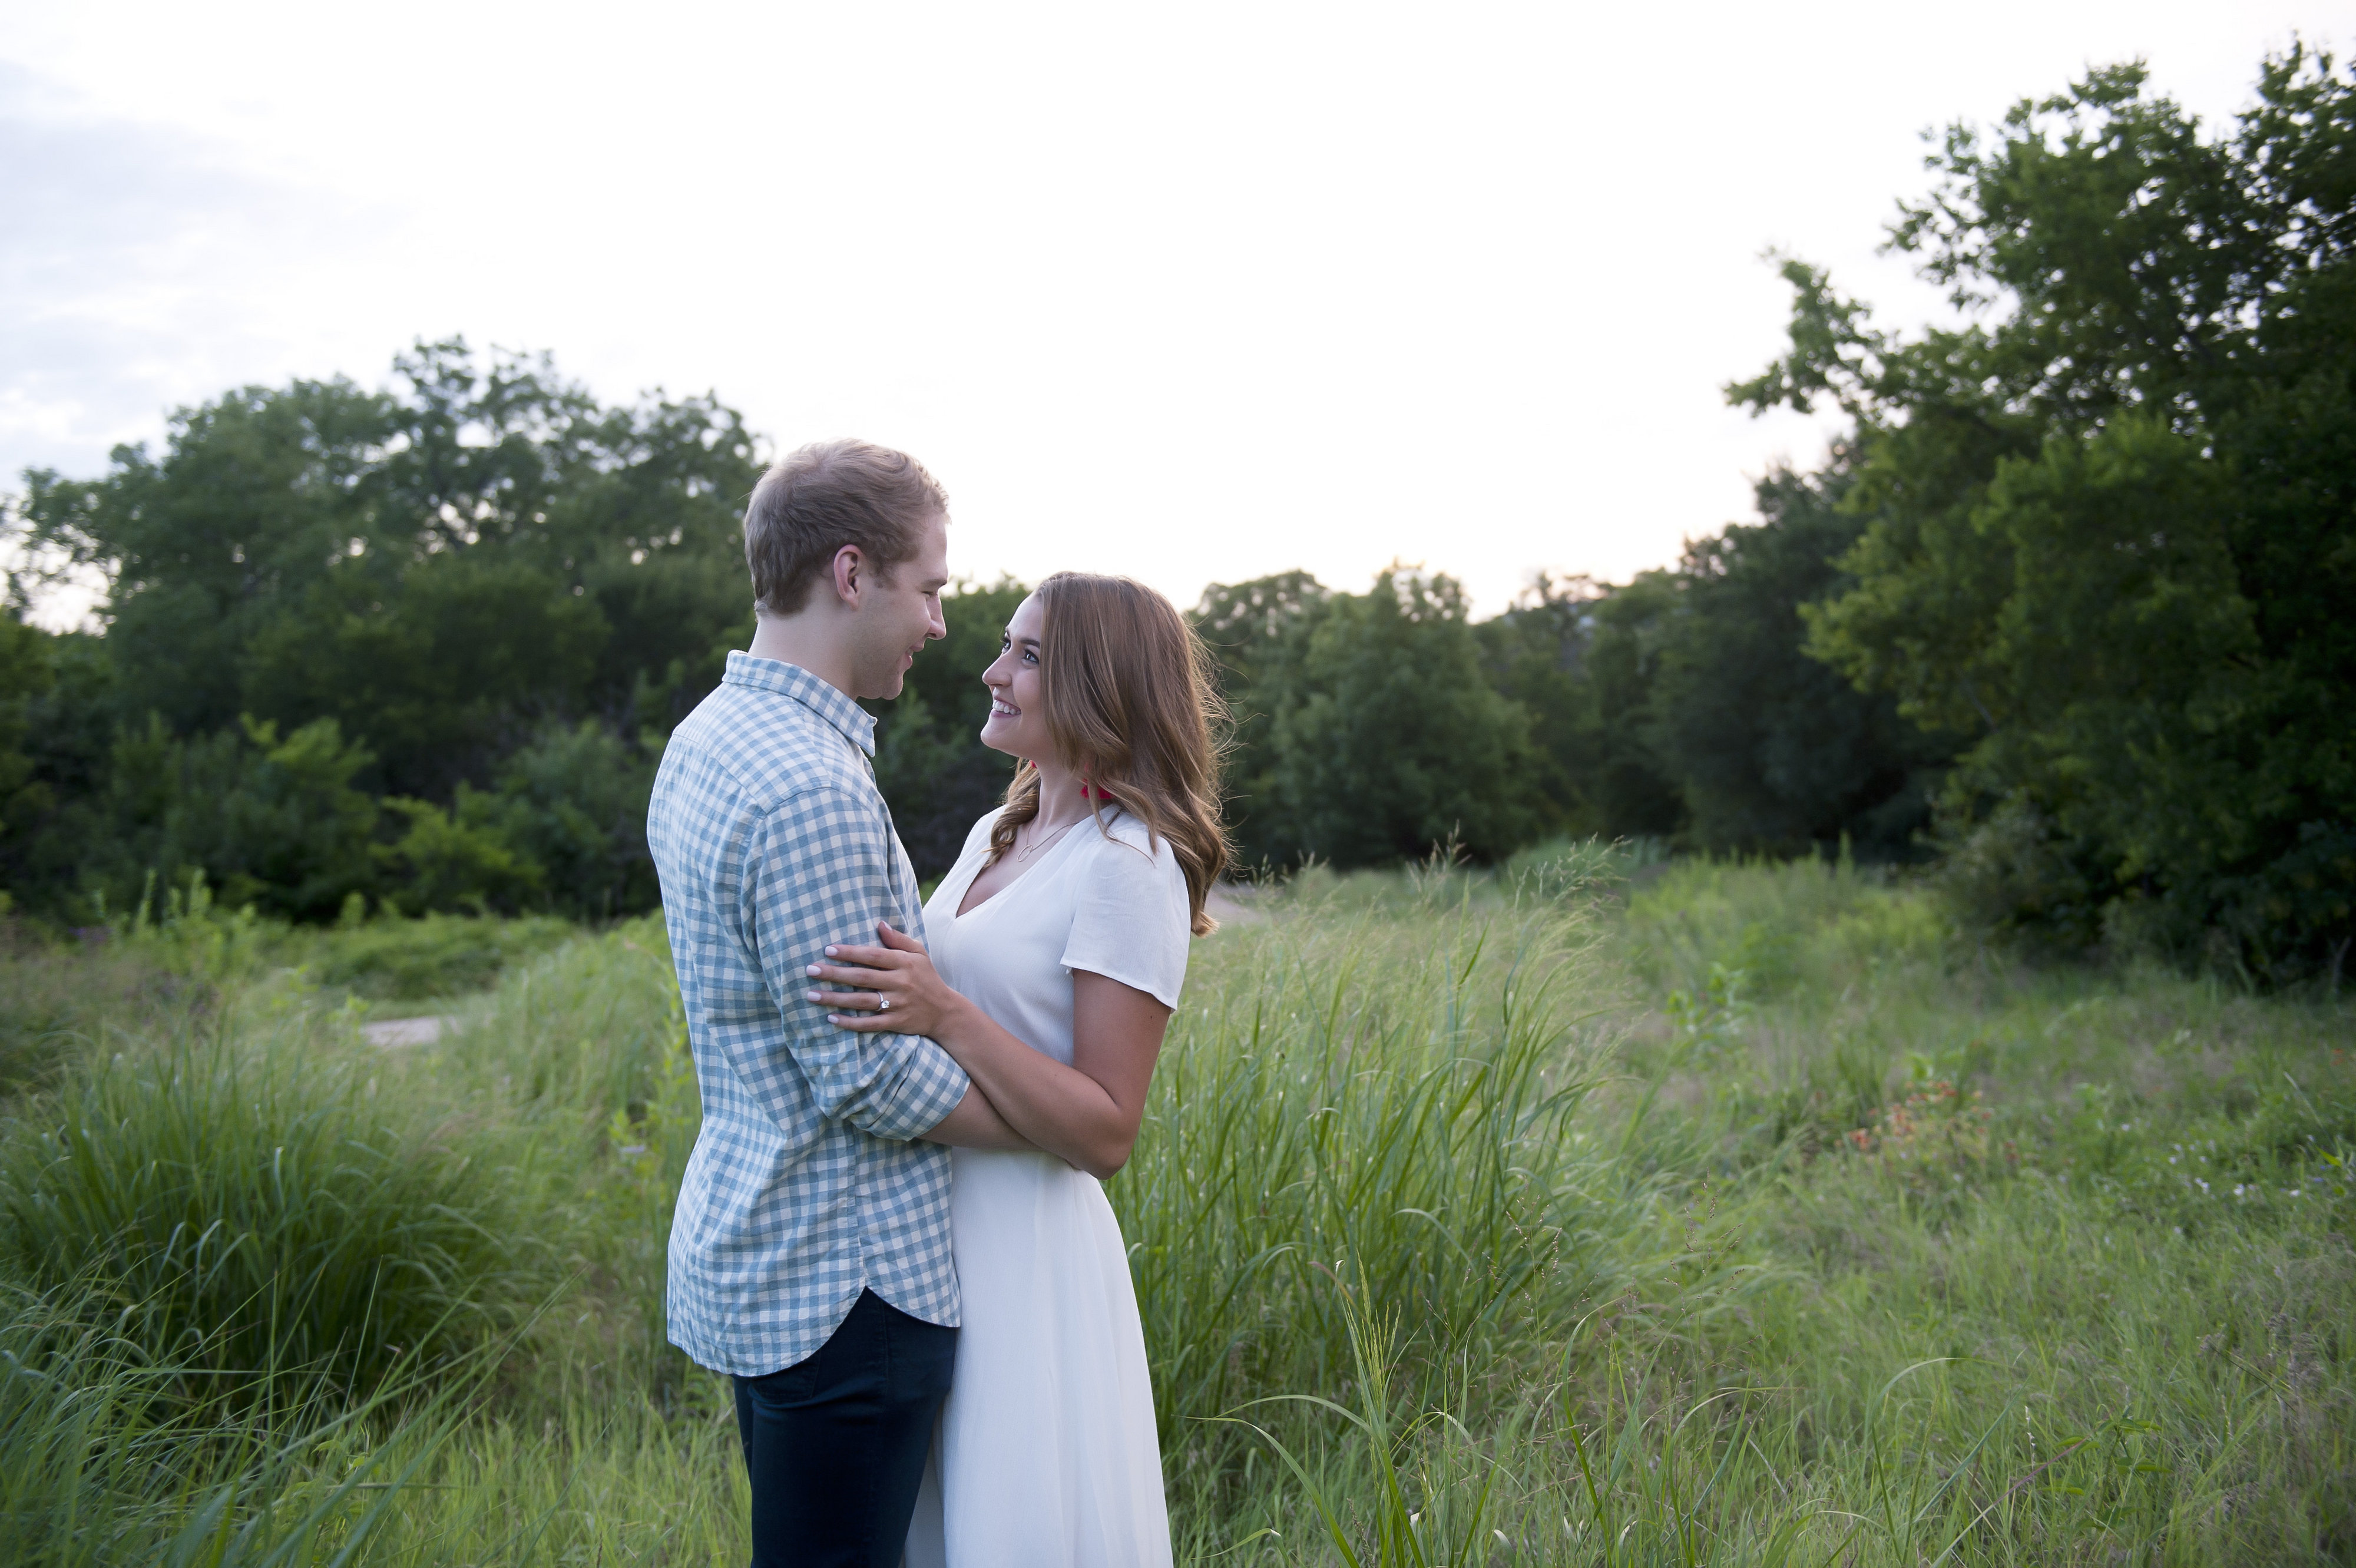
1191	292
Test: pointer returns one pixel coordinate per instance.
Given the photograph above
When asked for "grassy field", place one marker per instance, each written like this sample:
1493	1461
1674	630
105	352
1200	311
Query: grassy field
1586	1213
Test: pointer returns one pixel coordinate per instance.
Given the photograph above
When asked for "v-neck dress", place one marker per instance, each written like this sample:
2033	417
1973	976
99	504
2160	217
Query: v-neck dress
1046	1455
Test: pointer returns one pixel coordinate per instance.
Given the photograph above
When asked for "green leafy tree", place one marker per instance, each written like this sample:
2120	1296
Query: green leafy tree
1536	653
450	570
458	858
441	567
63	691
1258	633
1392	741
573	804
27	674
2110	526
1772	751
275	823
1582	659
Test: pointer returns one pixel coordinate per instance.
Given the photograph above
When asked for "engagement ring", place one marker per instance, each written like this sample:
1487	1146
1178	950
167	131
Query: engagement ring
884	1004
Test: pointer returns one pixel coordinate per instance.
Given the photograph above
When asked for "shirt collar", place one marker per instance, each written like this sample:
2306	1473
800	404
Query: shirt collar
858	726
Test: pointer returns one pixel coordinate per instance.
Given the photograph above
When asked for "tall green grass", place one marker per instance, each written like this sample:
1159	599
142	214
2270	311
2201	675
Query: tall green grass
111	1459
253	1212
1599	1210
1343	1092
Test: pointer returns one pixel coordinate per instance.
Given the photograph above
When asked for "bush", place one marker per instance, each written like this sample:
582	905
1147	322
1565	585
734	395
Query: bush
566	828
394	959
458	858
573	804
271	823
251	1215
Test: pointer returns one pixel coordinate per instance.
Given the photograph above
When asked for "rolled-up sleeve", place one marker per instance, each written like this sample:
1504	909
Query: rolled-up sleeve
819	870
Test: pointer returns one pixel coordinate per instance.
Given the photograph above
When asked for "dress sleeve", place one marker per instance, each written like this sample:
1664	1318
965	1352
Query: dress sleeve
1129	921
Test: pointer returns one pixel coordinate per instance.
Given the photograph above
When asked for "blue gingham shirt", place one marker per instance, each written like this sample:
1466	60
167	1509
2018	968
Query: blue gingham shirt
805	1185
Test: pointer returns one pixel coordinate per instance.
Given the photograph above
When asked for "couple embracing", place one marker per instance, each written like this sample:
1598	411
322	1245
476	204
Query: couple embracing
892	1234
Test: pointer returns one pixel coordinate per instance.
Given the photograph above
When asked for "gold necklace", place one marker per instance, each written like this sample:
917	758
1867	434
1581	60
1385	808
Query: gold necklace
1038	844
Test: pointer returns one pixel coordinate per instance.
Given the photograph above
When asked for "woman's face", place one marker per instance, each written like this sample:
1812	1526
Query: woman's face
1017	725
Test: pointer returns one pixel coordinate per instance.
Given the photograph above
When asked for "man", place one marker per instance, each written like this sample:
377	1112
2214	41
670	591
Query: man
809	1255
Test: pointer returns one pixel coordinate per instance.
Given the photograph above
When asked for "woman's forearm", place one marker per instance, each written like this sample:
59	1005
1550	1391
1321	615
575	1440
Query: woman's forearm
1059	1109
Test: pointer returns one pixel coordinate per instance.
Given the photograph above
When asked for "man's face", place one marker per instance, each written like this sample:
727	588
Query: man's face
899	612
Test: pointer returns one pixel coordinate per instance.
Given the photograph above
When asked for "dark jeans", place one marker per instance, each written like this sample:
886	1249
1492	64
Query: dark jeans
835	1445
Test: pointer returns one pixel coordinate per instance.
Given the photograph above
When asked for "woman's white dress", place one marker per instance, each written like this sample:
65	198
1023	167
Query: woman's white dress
1046	1455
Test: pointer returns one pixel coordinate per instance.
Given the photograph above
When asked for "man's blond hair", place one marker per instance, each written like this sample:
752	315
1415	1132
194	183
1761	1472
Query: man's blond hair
819	498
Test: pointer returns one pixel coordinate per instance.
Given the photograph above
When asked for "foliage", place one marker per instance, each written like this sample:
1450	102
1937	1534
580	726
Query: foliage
457	858
1257	632
276	824
1581	658
26	674
1683	703
421	564
505	712
1369	732
2108	529
59	689
573	804
455	574
1772	751
393	959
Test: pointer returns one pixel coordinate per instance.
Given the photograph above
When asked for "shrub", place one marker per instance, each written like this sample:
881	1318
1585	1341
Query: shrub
275	823
394	959
574	804
459	858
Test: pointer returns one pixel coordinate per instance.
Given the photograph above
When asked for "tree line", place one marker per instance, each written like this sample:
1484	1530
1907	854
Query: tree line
420	648
2064	611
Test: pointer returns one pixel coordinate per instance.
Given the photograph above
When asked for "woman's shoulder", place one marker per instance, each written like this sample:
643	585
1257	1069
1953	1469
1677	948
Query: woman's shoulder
1127	861
1126	834
1129	916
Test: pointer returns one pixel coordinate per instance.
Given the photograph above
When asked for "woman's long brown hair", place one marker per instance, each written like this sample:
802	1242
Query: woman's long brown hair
1125	687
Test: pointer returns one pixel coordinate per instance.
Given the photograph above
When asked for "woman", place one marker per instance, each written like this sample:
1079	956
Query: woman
1058	947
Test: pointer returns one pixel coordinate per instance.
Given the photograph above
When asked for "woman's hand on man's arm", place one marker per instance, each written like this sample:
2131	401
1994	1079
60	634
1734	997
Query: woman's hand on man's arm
1087	1114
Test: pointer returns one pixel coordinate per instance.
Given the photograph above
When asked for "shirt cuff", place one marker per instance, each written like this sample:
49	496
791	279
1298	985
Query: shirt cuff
930	1087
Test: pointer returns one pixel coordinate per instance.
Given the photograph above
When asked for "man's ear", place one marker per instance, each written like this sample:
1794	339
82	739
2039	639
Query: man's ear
850	574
